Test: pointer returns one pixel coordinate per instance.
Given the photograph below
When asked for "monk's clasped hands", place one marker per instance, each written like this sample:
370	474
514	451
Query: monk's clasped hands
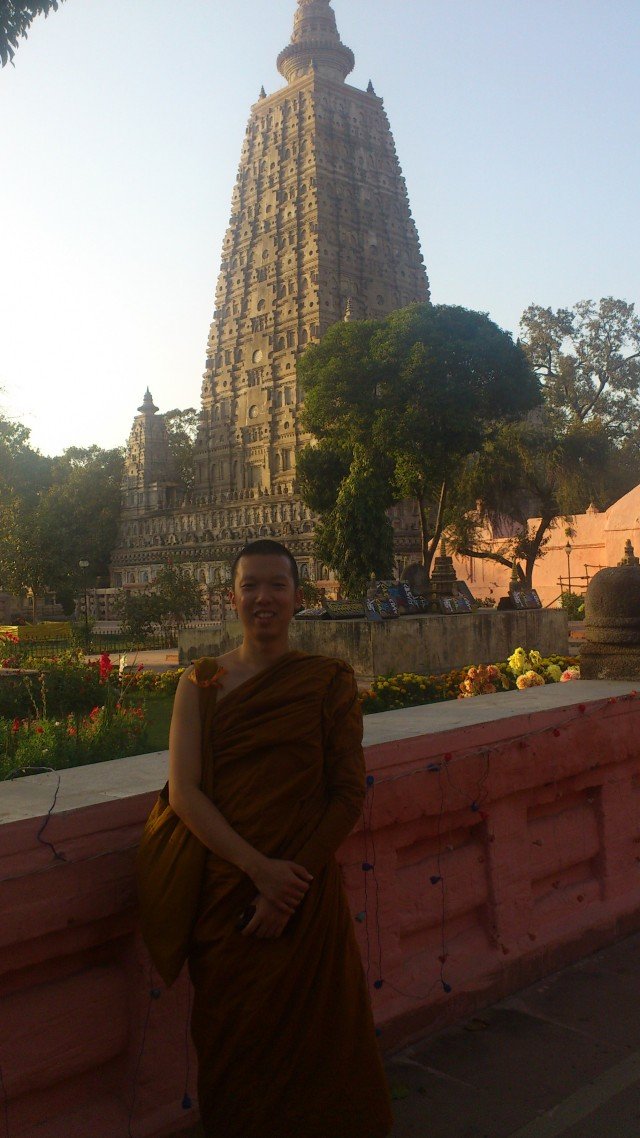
283	883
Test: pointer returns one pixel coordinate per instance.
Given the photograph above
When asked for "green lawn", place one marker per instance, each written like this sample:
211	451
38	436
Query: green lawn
158	719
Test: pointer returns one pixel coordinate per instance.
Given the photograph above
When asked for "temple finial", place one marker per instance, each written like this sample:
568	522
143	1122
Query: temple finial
315	44
148	407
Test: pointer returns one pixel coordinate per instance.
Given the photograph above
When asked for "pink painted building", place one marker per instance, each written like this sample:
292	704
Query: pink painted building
597	540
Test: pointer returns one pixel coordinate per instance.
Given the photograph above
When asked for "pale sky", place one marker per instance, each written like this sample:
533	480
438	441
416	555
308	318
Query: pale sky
516	123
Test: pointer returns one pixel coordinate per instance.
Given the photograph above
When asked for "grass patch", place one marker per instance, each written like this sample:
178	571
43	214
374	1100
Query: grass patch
158	717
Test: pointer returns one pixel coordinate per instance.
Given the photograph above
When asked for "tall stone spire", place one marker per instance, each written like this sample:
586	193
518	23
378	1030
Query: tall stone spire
315	45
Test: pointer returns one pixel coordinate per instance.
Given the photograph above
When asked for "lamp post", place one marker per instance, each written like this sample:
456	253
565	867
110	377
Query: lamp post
568	549
84	565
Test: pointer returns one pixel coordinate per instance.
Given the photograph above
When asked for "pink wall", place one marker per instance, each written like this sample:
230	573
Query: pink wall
597	540
530	818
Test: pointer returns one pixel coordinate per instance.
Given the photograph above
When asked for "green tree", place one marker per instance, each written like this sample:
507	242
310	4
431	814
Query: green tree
355	537
16	17
180	597
55	512
167	603
83	506
424	388
182	428
540	467
583	445
140	613
588	358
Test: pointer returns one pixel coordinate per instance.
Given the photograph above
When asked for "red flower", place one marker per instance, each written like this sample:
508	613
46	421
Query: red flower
94	713
71	731
39	730
15	726
106	667
140	667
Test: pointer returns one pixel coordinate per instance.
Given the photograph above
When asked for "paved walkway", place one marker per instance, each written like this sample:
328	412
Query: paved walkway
558	1060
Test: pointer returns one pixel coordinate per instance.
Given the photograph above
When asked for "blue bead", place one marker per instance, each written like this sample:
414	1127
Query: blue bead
366	866
447	987
378	1031
186	1102
361	917
378	984
435	879
370	780
433	767
155	993
475	807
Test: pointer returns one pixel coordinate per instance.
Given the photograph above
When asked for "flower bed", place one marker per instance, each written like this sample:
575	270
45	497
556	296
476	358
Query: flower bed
67	711
521	670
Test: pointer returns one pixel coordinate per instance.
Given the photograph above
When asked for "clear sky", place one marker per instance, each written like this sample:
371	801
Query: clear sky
516	123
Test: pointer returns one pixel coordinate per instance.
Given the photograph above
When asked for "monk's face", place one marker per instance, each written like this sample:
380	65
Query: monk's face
265	596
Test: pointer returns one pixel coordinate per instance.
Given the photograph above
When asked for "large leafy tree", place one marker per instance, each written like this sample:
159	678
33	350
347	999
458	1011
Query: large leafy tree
588	358
420	391
538	467
83	506
55	512
16	17
583	445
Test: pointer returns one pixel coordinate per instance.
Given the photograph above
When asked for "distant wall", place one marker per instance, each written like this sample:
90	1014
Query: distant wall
424	644
502	835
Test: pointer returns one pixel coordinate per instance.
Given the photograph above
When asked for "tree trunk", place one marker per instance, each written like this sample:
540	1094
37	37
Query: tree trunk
430	545
534	550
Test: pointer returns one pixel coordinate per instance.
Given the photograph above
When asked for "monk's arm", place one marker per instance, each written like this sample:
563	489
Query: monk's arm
282	882
344	772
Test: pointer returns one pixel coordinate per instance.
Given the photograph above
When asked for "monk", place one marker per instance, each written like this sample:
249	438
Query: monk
281	1022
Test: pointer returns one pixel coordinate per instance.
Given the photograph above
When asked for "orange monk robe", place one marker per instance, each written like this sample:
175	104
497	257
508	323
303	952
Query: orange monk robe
283	1026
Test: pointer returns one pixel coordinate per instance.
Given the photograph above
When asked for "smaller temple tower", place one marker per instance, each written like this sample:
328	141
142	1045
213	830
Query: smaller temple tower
150	487
149	481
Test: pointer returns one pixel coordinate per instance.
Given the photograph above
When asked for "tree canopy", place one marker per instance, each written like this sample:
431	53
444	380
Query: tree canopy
16	17
588	358
581	446
55	512
169	602
419	391
182	427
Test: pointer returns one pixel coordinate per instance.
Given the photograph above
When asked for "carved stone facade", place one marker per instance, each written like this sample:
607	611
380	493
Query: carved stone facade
320	230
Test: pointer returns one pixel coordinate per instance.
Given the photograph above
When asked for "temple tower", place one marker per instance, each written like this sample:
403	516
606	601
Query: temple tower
320	231
149	478
320	226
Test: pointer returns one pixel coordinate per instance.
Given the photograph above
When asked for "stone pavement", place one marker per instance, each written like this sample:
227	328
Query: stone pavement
560	1059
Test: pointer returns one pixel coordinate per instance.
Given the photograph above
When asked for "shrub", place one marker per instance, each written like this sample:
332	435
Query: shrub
573	604
105	733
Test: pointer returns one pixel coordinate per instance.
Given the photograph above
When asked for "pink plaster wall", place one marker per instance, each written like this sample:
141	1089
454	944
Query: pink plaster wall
532	822
598	540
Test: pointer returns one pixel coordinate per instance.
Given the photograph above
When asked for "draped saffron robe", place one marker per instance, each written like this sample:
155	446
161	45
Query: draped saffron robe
283	1026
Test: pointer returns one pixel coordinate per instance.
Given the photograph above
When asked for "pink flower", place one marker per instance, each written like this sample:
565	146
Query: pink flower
572	673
